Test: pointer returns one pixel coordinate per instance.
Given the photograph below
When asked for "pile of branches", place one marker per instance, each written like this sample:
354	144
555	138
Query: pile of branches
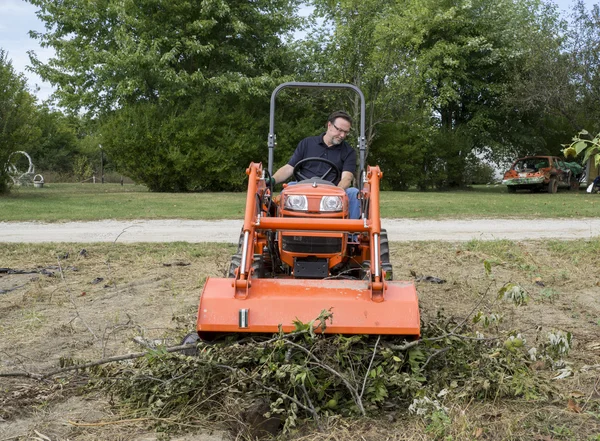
308	375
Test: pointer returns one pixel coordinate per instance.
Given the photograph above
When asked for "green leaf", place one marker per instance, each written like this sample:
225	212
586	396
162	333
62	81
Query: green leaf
580	146
488	267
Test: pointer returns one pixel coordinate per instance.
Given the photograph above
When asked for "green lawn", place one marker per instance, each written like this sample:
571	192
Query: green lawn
64	202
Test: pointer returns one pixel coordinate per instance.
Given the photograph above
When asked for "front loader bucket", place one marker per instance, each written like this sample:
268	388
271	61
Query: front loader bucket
274	302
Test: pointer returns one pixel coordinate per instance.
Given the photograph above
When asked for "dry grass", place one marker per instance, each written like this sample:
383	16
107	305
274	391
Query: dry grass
151	290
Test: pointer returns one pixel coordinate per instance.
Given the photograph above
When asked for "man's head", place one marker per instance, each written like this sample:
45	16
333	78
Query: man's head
338	126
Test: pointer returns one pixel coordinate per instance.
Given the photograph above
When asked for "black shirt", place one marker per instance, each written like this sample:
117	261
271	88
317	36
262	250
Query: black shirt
341	155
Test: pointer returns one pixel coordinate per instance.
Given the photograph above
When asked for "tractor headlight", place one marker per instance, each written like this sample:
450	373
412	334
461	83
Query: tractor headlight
296	202
331	203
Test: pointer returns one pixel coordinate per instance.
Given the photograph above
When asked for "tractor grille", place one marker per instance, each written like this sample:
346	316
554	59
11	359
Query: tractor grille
311	244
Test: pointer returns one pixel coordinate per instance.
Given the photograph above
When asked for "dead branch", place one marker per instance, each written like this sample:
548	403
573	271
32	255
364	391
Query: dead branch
312	408
122	231
438	352
369	368
92	363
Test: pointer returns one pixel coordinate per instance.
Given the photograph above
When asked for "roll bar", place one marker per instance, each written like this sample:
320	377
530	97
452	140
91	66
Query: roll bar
362	143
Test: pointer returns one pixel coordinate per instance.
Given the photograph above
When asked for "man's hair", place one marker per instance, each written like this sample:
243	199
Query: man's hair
339	114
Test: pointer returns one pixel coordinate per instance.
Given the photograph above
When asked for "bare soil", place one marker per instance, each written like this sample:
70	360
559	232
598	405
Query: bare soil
84	302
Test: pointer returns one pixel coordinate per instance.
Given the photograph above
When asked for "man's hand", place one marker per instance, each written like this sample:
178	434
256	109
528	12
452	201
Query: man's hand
270	182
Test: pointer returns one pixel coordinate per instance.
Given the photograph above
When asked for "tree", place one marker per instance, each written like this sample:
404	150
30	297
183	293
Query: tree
112	53
177	87
57	145
17	114
583	47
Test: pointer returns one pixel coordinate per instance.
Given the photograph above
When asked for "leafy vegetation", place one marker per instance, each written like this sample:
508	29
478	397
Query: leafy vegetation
306	376
177	93
583	144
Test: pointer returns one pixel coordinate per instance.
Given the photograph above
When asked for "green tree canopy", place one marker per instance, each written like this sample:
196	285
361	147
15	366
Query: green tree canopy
112	53
451	66
179	88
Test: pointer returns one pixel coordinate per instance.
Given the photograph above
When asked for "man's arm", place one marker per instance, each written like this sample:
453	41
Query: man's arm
346	181
283	174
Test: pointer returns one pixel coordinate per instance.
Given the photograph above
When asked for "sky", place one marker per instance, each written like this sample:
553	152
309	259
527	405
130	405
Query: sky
17	18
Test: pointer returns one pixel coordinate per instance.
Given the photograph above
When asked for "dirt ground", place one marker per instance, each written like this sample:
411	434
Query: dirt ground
83	302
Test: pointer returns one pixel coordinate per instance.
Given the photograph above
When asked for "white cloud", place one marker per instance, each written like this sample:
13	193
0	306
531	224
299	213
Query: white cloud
15	7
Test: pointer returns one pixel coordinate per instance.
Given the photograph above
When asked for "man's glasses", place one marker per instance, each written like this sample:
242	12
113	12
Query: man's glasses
345	132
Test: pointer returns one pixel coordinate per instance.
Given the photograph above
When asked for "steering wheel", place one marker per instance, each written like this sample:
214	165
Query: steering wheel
333	169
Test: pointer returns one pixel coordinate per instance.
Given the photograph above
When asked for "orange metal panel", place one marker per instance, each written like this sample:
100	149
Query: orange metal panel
274	302
312	224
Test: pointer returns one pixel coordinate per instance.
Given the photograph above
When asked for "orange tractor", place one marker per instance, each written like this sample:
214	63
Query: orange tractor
300	254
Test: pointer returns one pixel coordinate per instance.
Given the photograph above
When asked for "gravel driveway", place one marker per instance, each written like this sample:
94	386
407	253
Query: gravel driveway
228	230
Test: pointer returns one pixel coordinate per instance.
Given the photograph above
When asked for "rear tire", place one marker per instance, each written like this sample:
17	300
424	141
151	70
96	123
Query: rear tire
511	189
552	186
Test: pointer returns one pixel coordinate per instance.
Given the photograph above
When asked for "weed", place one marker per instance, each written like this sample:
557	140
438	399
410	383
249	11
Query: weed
559	344
514	293
488	319
439	423
33	319
549	294
562	431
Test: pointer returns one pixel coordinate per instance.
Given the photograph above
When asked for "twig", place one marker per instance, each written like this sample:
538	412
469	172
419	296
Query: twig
4	291
441	337
318	362
591	394
440	351
13	437
62	276
481	299
312	408
122	231
131	420
369	368
93	363
107	423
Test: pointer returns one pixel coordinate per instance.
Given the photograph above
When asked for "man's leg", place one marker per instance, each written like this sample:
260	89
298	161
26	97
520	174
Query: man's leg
353	203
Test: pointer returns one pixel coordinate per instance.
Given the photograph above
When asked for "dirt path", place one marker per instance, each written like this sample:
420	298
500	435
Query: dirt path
227	231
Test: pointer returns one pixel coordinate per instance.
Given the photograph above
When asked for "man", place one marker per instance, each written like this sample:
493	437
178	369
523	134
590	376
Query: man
330	145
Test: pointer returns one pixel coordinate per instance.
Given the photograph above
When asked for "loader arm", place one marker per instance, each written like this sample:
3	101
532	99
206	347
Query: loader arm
370	224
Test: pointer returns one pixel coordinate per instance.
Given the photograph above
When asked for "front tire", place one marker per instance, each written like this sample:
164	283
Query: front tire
257	266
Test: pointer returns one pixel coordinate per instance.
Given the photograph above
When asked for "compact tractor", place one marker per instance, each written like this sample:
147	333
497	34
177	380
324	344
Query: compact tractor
300	254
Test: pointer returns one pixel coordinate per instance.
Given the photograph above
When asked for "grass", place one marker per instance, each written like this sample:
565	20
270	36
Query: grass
87	202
